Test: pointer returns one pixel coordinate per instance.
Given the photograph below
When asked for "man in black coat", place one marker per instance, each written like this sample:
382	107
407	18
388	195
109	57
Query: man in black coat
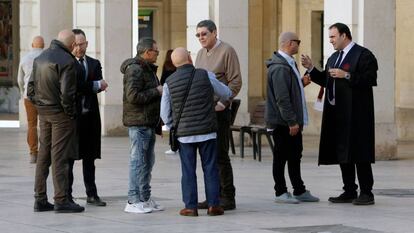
348	134
90	83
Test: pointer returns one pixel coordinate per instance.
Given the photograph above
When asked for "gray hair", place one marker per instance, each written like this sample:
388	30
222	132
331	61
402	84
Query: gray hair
144	44
209	24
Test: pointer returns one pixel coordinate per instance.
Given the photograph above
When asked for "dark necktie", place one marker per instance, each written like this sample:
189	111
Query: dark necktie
82	67
331	81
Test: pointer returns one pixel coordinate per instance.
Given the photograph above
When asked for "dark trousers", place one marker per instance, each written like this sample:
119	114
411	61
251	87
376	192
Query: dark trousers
57	137
288	149
188	156
88	166
365	177
227	189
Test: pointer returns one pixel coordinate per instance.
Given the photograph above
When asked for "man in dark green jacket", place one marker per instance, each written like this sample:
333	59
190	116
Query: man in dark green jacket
141	114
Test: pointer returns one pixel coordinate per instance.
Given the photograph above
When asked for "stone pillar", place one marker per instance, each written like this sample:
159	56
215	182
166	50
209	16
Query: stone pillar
115	46
45	18
232	28
403	66
375	30
289	16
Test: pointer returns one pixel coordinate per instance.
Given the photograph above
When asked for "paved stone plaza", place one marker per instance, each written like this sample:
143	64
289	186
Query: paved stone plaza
256	210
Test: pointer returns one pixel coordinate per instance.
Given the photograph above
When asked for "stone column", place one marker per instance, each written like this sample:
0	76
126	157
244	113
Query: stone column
115	46
45	18
232	28
375	30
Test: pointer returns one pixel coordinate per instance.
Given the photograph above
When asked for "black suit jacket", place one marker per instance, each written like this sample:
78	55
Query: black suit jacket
348	128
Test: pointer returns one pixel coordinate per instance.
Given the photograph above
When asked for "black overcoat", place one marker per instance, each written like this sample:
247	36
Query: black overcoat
348	128
89	124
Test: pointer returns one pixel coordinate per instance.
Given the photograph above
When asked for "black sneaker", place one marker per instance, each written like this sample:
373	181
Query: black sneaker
41	206
364	199
96	201
68	207
343	198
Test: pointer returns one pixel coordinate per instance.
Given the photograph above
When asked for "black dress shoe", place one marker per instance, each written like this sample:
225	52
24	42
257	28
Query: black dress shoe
202	205
228	204
364	199
96	201
41	206
343	198
68	207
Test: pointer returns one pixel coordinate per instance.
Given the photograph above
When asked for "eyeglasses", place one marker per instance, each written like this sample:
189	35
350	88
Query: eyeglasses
198	35
297	41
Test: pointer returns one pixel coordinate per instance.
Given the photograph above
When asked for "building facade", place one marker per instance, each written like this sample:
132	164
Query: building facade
252	28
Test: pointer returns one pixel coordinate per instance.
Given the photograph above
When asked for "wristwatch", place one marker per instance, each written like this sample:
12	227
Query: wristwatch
347	75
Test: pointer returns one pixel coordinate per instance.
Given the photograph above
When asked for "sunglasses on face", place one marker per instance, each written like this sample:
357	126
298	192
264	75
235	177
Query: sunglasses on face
297	41
198	35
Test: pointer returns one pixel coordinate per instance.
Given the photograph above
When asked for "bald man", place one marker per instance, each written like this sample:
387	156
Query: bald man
285	116
52	89
25	70
196	127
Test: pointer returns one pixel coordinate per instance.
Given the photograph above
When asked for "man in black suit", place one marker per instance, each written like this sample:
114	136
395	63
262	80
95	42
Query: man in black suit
348	134
90	83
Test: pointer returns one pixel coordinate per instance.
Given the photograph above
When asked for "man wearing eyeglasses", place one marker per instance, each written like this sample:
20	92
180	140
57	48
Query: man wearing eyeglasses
285	116
220	58
141	114
90	82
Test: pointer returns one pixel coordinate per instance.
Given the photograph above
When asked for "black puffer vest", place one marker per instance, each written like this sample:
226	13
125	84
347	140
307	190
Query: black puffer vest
198	116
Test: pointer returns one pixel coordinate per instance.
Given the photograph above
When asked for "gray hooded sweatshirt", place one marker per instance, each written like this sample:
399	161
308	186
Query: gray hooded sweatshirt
284	101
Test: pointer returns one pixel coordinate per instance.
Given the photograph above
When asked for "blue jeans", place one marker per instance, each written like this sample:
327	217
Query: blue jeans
188	156
141	161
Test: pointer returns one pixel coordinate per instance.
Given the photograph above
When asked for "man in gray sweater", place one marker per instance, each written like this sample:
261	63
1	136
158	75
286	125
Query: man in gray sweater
285	116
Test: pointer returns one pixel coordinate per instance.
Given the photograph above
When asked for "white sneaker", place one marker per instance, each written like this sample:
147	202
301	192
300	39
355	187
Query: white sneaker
138	208
306	197
154	205
286	198
170	152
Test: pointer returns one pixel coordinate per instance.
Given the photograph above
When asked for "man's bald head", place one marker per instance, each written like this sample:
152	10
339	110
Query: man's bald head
38	42
286	37
180	57
289	43
67	37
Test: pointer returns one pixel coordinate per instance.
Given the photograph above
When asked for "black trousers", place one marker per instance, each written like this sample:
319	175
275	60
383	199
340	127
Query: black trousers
88	166
365	177
288	149
227	189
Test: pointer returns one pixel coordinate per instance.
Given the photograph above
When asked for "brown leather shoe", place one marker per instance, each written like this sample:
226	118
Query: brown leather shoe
215	210
189	212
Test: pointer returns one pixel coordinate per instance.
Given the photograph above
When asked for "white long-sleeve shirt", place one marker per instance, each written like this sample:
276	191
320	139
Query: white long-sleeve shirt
25	69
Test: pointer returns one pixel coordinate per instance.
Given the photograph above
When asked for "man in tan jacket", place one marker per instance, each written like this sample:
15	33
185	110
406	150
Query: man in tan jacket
221	59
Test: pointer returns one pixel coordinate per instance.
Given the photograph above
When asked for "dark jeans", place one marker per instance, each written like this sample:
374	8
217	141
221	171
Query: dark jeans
188	156
365	177
88	166
287	149
57	144
227	189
